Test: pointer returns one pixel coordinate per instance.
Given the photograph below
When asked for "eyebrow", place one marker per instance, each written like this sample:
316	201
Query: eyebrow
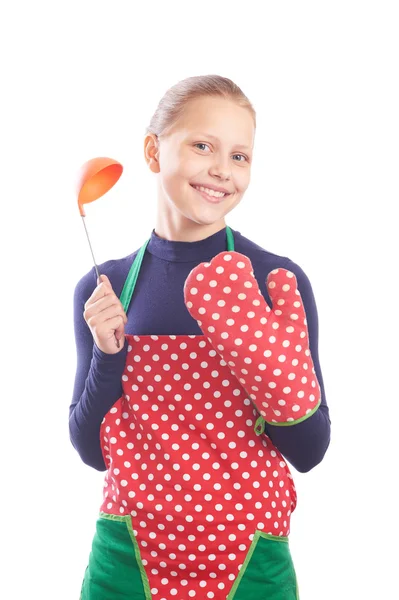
209	135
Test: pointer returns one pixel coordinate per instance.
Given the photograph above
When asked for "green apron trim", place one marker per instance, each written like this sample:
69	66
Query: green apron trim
259	425
268	572
133	274
230	240
289	423
115	569
132	277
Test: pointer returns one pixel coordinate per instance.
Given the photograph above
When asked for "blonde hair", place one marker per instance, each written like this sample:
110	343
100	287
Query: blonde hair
172	104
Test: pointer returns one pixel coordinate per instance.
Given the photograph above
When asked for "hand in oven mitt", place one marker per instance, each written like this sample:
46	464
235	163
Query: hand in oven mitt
266	349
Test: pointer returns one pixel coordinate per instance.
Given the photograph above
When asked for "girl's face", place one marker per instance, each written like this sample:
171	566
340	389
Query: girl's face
204	161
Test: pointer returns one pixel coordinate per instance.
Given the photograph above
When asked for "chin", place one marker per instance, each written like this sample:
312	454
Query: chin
206	218
202	219
203	214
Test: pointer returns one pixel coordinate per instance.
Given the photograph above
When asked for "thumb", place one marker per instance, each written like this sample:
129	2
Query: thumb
283	290
102	278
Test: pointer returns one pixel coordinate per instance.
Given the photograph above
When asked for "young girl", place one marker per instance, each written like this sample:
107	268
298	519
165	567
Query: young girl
190	390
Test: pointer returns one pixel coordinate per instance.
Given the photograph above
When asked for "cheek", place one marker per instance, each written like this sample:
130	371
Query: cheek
182	173
181	167
242	180
171	175
190	165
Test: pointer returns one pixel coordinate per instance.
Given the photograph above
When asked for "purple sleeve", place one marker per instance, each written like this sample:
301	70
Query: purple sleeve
305	443
97	382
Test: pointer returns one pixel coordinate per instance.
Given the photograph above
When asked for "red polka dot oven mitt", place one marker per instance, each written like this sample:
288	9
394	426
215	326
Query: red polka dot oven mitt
266	349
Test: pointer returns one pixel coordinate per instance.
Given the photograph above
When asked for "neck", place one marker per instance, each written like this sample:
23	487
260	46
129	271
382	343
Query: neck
173	226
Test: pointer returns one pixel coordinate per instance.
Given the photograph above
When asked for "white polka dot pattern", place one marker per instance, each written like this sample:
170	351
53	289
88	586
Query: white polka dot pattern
266	349
185	462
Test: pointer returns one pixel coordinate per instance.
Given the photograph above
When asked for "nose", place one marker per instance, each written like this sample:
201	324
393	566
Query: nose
221	168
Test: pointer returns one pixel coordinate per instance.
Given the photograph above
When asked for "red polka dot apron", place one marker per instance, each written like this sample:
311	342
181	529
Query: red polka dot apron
197	499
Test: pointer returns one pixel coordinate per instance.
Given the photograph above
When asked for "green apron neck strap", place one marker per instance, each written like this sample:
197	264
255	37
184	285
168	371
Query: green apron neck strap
134	271
230	240
132	277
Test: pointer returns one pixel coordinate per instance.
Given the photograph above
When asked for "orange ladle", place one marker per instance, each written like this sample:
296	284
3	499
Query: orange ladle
96	177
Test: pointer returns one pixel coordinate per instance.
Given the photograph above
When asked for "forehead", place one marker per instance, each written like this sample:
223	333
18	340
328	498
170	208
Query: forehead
217	118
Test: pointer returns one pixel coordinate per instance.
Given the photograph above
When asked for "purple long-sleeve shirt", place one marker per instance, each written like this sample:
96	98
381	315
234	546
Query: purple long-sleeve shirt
157	307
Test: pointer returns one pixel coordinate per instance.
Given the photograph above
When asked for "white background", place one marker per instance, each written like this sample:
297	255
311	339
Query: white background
82	79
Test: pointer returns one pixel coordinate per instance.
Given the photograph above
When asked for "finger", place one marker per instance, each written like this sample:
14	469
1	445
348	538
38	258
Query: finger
103	278
113	325
94	307
110	301
113	301
120	331
103	289
103	303
118	326
96	318
282	287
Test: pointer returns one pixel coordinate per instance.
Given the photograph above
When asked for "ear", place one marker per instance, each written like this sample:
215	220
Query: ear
151	152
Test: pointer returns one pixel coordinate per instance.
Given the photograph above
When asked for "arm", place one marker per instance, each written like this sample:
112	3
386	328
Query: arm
266	350
97	382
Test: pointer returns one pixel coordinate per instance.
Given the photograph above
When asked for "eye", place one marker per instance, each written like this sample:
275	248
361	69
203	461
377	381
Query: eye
201	144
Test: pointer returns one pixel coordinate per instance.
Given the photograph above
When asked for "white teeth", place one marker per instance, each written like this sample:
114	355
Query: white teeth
209	192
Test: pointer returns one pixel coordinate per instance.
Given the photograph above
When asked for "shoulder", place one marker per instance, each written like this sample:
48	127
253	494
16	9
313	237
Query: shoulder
115	269
263	261
255	252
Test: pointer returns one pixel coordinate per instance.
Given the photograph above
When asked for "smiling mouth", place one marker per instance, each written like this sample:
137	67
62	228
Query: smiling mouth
209	194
